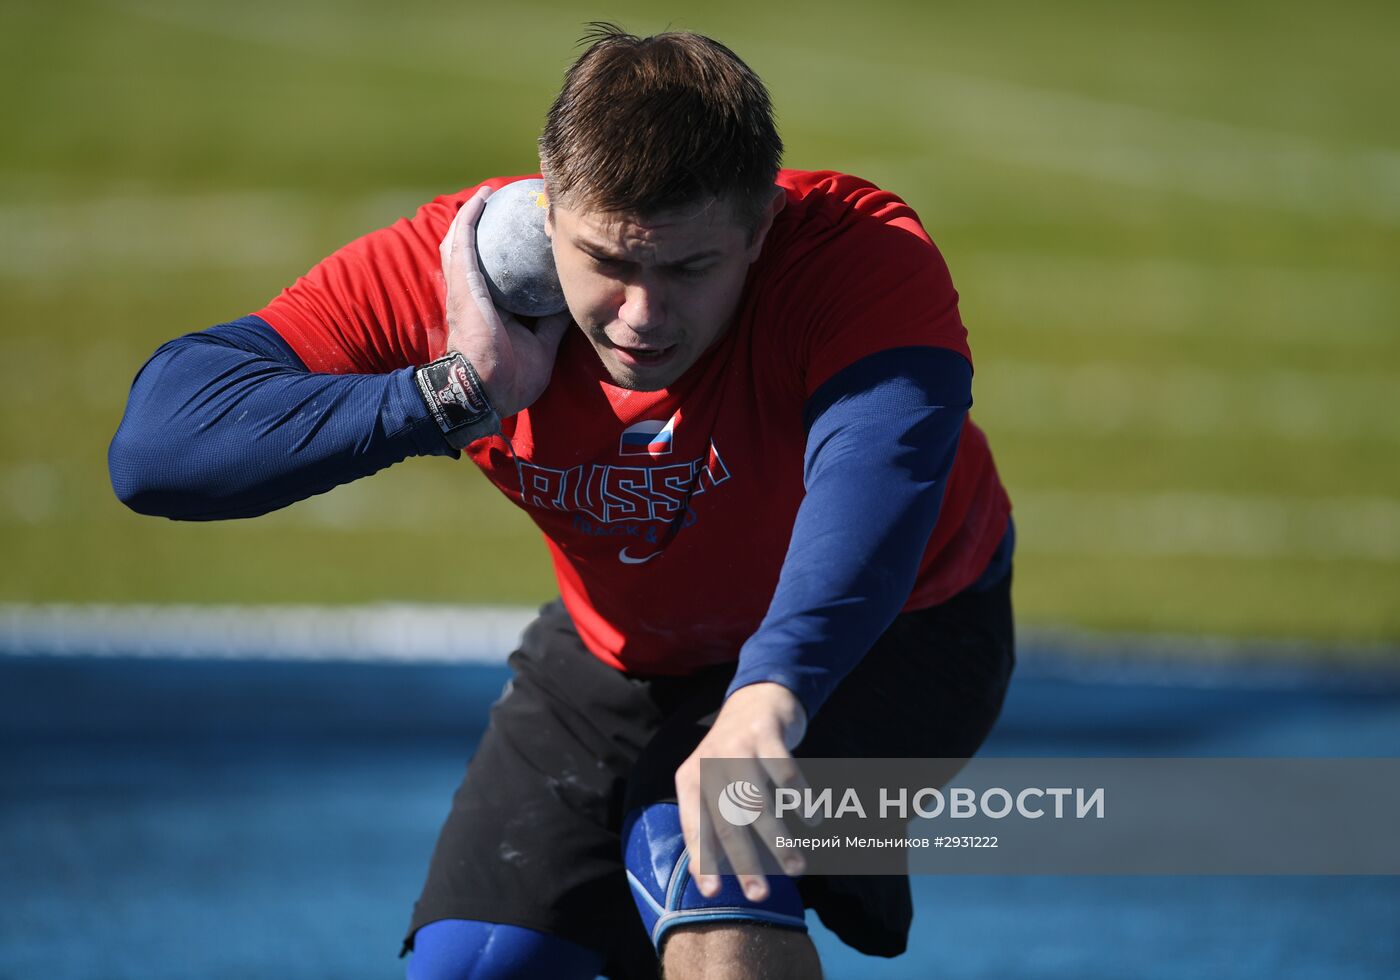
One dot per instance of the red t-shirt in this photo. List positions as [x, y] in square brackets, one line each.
[846, 271]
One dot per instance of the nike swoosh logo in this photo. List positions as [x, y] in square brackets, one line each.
[627, 559]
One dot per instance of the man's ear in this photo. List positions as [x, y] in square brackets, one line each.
[771, 210]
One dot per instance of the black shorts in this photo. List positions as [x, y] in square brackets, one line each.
[573, 745]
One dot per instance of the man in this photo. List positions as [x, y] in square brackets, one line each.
[774, 527]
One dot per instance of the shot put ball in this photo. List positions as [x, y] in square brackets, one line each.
[515, 253]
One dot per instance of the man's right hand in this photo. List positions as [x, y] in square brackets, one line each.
[513, 361]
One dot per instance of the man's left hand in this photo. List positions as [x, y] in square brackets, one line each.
[760, 722]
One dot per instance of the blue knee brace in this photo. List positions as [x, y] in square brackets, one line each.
[658, 869]
[465, 949]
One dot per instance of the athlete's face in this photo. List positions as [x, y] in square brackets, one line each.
[653, 292]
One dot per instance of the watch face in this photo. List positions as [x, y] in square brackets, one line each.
[463, 390]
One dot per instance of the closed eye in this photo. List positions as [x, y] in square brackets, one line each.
[604, 264]
[689, 271]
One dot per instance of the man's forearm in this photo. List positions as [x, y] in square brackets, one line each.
[229, 423]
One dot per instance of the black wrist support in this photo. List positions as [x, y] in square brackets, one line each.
[457, 399]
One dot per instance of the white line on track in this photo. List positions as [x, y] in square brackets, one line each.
[407, 633]
[486, 635]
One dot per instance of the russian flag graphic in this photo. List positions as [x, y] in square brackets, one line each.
[649, 438]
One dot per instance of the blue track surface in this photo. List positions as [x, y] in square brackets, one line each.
[210, 819]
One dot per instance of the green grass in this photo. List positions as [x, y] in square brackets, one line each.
[1175, 229]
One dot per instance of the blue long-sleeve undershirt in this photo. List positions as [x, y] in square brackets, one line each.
[228, 422]
[881, 437]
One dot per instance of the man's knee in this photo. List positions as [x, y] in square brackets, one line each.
[658, 869]
[724, 935]
[724, 950]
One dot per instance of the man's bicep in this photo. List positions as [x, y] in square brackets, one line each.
[904, 399]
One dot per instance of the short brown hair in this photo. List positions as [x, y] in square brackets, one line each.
[647, 124]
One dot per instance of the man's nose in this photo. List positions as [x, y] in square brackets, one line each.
[643, 305]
